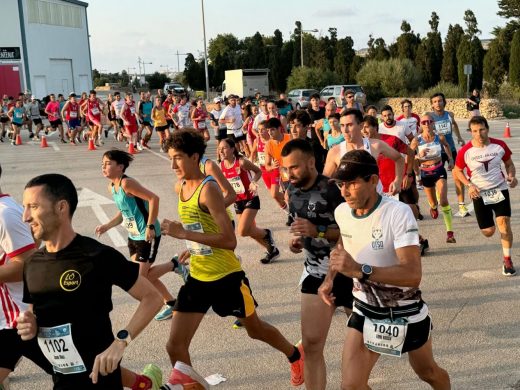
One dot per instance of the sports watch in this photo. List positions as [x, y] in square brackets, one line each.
[366, 270]
[124, 335]
[151, 227]
[321, 231]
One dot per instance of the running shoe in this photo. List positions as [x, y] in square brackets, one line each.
[144, 145]
[424, 245]
[100, 140]
[185, 377]
[154, 373]
[72, 142]
[106, 133]
[31, 135]
[420, 185]
[78, 139]
[13, 143]
[36, 138]
[238, 325]
[139, 147]
[508, 269]
[2, 139]
[434, 212]
[269, 240]
[297, 367]
[450, 238]
[165, 314]
[463, 210]
[270, 256]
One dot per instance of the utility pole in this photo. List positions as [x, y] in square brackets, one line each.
[178, 63]
[205, 51]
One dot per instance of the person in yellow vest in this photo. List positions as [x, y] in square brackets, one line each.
[216, 277]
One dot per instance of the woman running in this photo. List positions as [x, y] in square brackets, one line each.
[237, 171]
[17, 116]
[428, 146]
[160, 123]
[198, 116]
[138, 210]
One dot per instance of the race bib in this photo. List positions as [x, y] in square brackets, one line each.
[73, 114]
[309, 133]
[196, 248]
[58, 347]
[131, 226]
[492, 196]
[389, 195]
[132, 110]
[443, 127]
[385, 337]
[18, 115]
[238, 133]
[201, 125]
[238, 186]
[261, 158]
[95, 111]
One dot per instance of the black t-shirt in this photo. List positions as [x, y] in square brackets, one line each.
[74, 285]
[320, 154]
[316, 204]
[315, 116]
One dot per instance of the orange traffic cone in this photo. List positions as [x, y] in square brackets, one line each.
[507, 131]
[44, 142]
[91, 145]
[18, 139]
[131, 148]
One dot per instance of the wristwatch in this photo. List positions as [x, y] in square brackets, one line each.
[151, 227]
[124, 335]
[366, 270]
[321, 231]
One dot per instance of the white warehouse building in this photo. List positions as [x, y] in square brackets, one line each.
[44, 47]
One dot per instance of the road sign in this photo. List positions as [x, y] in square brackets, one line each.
[468, 69]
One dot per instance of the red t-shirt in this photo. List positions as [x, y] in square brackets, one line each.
[239, 180]
[387, 165]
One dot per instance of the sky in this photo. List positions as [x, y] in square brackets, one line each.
[156, 30]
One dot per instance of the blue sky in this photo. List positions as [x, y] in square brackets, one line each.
[155, 29]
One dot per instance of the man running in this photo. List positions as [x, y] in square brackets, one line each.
[91, 109]
[130, 118]
[144, 108]
[33, 112]
[69, 284]
[70, 112]
[181, 112]
[219, 129]
[232, 117]
[379, 249]
[312, 200]
[216, 277]
[116, 107]
[488, 188]
[445, 124]
[52, 110]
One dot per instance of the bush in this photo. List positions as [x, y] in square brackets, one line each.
[508, 94]
[388, 78]
[511, 111]
[448, 89]
[312, 78]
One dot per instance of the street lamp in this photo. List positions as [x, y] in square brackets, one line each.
[141, 62]
[178, 64]
[205, 51]
[301, 41]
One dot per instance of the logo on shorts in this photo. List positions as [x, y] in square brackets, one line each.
[70, 280]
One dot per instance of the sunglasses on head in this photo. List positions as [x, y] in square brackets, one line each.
[426, 122]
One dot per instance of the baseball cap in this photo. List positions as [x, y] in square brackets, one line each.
[72, 94]
[233, 97]
[217, 100]
[33, 97]
[354, 164]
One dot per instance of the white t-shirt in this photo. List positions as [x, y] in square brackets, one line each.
[183, 115]
[398, 130]
[262, 116]
[15, 239]
[373, 239]
[117, 106]
[232, 112]
[484, 165]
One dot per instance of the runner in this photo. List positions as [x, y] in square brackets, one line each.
[181, 113]
[138, 209]
[160, 123]
[116, 107]
[316, 113]
[408, 118]
[238, 171]
[378, 248]
[4, 119]
[145, 114]
[487, 186]
[428, 147]
[52, 110]
[349, 102]
[111, 117]
[323, 126]
[168, 105]
[130, 118]
[17, 117]
[258, 154]
[247, 128]
[272, 112]
[219, 129]
[216, 277]
[198, 116]
[312, 200]
[70, 113]
[33, 113]
[334, 136]
[445, 124]
[91, 109]
[232, 117]
[69, 285]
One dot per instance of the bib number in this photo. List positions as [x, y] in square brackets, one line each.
[132, 110]
[238, 186]
[196, 248]
[385, 337]
[492, 196]
[201, 125]
[443, 127]
[73, 114]
[58, 347]
[261, 158]
[18, 115]
[95, 111]
[238, 132]
[131, 226]
[389, 195]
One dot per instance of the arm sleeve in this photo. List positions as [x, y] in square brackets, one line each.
[404, 227]
[120, 271]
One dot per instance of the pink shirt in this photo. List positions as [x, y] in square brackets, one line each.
[54, 108]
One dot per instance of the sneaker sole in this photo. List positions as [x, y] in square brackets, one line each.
[270, 260]
[508, 275]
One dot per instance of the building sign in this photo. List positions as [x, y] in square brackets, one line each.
[10, 53]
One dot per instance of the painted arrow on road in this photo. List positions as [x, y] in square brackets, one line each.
[89, 198]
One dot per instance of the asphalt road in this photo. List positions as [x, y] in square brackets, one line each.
[475, 309]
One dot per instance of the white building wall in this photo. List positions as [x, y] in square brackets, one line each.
[10, 34]
[51, 47]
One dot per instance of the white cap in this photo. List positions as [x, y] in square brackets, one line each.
[217, 100]
[33, 97]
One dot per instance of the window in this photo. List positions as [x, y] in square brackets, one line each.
[55, 14]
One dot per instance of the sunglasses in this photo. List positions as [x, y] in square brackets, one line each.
[351, 185]
[350, 97]
[427, 122]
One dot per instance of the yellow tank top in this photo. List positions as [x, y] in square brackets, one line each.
[207, 264]
[159, 118]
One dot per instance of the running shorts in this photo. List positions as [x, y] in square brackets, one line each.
[429, 178]
[37, 121]
[144, 251]
[73, 123]
[271, 178]
[341, 288]
[484, 213]
[131, 129]
[55, 124]
[241, 205]
[13, 348]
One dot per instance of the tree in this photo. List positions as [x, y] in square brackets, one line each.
[156, 80]
[343, 59]
[305, 77]
[222, 44]
[470, 51]
[429, 54]
[194, 72]
[255, 51]
[471, 24]
[407, 42]
[514, 60]
[377, 49]
[125, 79]
[509, 9]
[449, 68]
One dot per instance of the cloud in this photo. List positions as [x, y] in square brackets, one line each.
[335, 12]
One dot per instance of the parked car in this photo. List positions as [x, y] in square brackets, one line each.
[300, 98]
[335, 91]
[176, 88]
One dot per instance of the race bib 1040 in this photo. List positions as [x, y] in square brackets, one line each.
[385, 337]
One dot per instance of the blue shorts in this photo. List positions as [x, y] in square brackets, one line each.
[73, 123]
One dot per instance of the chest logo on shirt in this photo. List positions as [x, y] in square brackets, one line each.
[311, 210]
[70, 280]
[486, 163]
[377, 234]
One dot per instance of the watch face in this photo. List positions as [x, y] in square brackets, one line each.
[122, 334]
[366, 269]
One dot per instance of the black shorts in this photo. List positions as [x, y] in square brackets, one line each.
[445, 158]
[13, 348]
[170, 123]
[146, 123]
[417, 335]
[341, 288]
[143, 250]
[110, 116]
[429, 178]
[120, 122]
[162, 128]
[37, 121]
[484, 213]
[4, 119]
[236, 139]
[411, 195]
[55, 124]
[222, 134]
[241, 205]
[229, 296]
